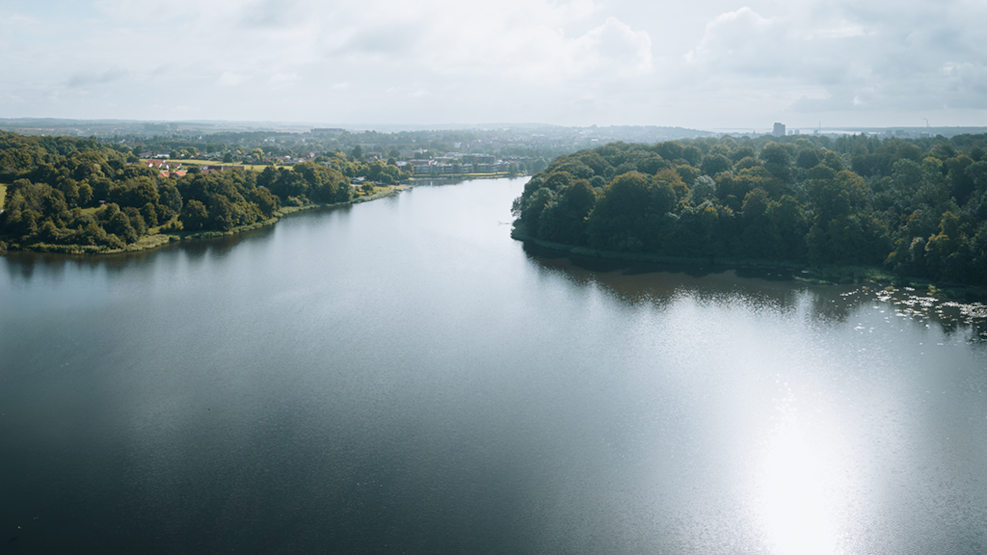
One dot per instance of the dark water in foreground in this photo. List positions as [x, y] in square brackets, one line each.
[402, 377]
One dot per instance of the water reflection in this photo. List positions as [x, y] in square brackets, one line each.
[657, 284]
[797, 497]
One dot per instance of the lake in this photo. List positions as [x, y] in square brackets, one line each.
[401, 376]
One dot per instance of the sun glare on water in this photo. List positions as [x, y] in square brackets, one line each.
[797, 501]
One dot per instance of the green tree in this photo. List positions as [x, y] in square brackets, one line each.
[760, 237]
[977, 173]
[558, 180]
[777, 161]
[142, 191]
[221, 213]
[564, 221]
[149, 214]
[169, 196]
[529, 209]
[85, 193]
[265, 201]
[791, 226]
[631, 214]
[714, 164]
[119, 225]
[194, 216]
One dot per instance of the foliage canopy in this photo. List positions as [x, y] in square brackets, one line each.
[917, 207]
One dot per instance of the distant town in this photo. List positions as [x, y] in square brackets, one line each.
[781, 130]
[502, 149]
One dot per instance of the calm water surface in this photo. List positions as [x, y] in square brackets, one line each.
[402, 377]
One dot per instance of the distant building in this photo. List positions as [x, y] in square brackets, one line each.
[161, 164]
[779, 130]
[478, 158]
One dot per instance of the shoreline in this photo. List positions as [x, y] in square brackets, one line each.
[765, 269]
[150, 242]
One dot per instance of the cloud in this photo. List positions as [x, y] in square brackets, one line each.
[560, 61]
[280, 78]
[551, 53]
[230, 79]
[966, 84]
[614, 45]
[268, 14]
[734, 37]
[410, 91]
[873, 58]
[508, 40]
[83, 79]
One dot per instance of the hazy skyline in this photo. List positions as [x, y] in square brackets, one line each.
[716, 64]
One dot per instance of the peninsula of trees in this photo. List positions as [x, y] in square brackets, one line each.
[916, 207]
[81, 195]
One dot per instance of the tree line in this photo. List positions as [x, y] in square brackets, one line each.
[918, 208]
[66, 191]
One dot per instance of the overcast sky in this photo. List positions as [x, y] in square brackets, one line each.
[700, 64]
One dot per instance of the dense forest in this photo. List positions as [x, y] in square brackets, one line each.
[916, 207]
[85, 194]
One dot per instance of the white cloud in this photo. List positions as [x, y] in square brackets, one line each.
[230, 79]
[845, 30]
[582, 61]
[733, 36]
[615, 46]
[83, 79]
[864, 58]
[279, 78]
[966, 83]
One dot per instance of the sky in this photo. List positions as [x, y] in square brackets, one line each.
[703, 64]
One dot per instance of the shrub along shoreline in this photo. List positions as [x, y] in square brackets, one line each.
[824, 274]
[156, 240]
[85, 197]
[797, 271]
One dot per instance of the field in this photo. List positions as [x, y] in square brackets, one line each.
[251, 167]
[3, 193]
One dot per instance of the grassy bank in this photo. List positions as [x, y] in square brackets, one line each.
[146, 242]
[3, 194]
[156, 238]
